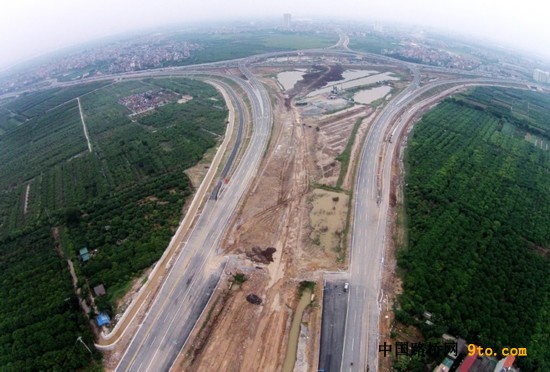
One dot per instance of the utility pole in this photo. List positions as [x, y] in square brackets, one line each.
[82, 342]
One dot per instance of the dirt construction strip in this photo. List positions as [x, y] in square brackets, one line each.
[160, 271]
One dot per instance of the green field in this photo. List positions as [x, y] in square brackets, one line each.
[122, 201]
[527, 111]
[224, 46]
[478, 207]
[372, 43]
[220, 46]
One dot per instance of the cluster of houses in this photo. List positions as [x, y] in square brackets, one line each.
[468, 358]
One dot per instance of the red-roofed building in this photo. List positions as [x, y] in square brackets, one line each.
[505, 364]
[509, 361]
[468, 362]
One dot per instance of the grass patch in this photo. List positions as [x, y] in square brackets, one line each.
[305, 285]
[118, 291]
[328, 187]
[373, 43]
[239, 278]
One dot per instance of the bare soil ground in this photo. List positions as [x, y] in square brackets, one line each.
[328, 222]
[197, 173]
[333, 135]
[282, 210]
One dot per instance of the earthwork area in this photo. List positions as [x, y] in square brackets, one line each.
[293, 225]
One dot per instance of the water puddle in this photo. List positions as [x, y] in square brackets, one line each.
[289, 78]
[370, 95]
[293, 339]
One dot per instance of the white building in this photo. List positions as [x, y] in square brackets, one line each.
[541, 76]
[286, 20]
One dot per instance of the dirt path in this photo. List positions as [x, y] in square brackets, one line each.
[27, 192]
[84, 125]
[82, 302]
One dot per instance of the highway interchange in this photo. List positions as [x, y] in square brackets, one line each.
[188, 286]
[149, 351]
[360, 341]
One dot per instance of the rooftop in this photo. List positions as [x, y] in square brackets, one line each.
[84, 254]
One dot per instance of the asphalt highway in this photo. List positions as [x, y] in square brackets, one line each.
[187, 288]
[335, 301]
[236, 146]
[370, 213]
[367, 242]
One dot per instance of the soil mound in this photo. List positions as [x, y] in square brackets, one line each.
[253, 299]
[258, 254]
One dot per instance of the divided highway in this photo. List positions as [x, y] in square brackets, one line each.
[361, 332]
[189, 285]
[371, 194]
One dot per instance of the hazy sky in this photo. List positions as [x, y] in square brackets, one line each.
[33, 27]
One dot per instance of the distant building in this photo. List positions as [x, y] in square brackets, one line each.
[286, 20]
[84, 254]
[541, 76]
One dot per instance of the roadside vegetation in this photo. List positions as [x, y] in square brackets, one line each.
[123, 202]
[305, 285]
[479, 234]
[239, 278]
[344, 157]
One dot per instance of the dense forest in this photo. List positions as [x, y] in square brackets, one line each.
[40, 319]
[478, 207]
[122, 201]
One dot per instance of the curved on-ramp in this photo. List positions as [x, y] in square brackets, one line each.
[189, 284]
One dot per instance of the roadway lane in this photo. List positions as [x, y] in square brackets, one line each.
[335, 302]
[182, 297]
[361, 333]
[370, 212]
[236, 146]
